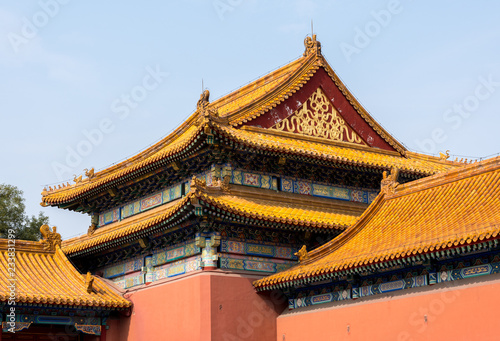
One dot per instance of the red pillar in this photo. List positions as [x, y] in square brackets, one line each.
[103, 334]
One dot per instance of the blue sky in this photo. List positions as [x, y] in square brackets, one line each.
[428, 71]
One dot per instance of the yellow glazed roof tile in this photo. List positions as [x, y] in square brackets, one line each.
[450, 209]
[126, 227]
[47, 277]
[298, 213]
[348, 154]
[259, 89]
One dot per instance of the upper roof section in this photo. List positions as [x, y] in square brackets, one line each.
[446, 211]
[302, 110]
[43, 275]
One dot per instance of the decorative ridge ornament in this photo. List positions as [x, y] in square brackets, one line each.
[197, 183]
[224, 184]
[312, 46]
[89, 173]
[89, 281]
[203, 102]
[50, 238]
[389, 182]
[302, 254]
[91, 229]
[444, 156]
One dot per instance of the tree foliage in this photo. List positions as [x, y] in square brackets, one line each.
[13, 216]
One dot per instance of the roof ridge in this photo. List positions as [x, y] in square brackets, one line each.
[445, 177]
[248, 85]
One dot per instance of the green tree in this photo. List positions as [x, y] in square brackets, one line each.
[13, 217]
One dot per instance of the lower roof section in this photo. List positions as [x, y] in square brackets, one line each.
[237, 203]
[40, 276]
[446, 211]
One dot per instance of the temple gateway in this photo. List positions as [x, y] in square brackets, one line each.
[282, 211]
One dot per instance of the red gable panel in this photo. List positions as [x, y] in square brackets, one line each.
[322, 80]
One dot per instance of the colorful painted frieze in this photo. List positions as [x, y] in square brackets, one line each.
[131, 209]
[319, 299]
[130, 280]
[173, 253]
[124, 268]
[253, 264]
[177, 268]
[468, 272]
[151, 201]
[109, 217]
[243, 248]
[381, 288]
[144, 204]
[239, 177]
[28, 319]
[327, 191]
[430, 278]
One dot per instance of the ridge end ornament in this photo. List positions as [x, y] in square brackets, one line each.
[389, 182]
[89, 281]
[302, 254]
[203, 102]
[312, 46]
[443, 157]
[50, 238]
[197, 183]
[89, 173]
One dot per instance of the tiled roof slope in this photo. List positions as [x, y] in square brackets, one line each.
[48, 277]
[338, 152]
[448, 210]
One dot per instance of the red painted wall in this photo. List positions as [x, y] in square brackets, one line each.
[210, 305]
[173, 310]
[464, 310]
[238, 313]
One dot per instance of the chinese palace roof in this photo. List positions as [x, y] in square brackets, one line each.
[441, 214]
[48, 277]
[236, 203]
[262, 116]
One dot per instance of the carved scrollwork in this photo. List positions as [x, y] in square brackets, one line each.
[318, 118]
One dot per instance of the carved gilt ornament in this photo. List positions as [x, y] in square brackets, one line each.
[318, 117]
